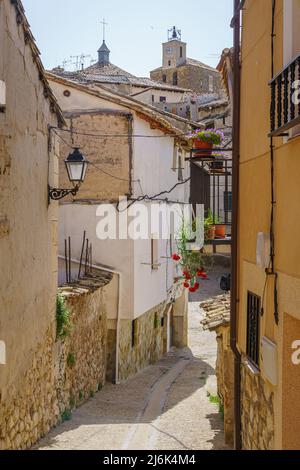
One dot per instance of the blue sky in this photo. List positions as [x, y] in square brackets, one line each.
[136, 29]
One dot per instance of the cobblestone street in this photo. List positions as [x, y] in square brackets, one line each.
[166, 407]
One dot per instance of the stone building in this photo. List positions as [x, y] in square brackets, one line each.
[265, 318]
[112, 77]
[217, 318]
[179, 70]
[152, 312]
[28, 234]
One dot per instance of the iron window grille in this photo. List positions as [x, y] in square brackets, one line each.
[253, 327]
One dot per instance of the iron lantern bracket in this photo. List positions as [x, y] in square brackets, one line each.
[56, 194]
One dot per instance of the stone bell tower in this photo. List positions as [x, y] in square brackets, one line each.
[174, 51]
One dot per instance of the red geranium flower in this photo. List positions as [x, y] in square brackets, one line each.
[176, 257]
[186, 285]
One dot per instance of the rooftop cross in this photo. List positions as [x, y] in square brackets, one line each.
[104, 24]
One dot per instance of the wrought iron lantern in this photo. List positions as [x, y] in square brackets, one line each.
[76, 165]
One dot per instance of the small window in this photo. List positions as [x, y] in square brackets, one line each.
[169, 63]
[2, 96]
[162, 99]
[253, 327]
[134, 333]
[164, 78]
[152, 98]
[181, 52]
[175, 79]
[180, 166]
[154, 252]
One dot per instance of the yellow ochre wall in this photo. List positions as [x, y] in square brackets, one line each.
[255, 210]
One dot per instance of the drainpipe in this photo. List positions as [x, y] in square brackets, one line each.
[112, 271]
[236, 23]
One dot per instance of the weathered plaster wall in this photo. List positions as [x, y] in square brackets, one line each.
[28, 238]
[112, 155]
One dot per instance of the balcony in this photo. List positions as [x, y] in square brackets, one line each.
[285, 99]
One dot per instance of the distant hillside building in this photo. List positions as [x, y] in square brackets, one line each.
[179, 70]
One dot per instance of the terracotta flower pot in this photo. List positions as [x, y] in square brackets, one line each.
[220, 231]
[206, 146]
[210, 233]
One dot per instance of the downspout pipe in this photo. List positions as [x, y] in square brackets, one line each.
[235, 211]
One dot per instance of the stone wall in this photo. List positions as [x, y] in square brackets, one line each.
[225, 380]
[60, 374]
[190, 77]
[148, 342]
[257, 411]
[80, 360]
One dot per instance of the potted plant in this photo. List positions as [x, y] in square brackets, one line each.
[220, 228]
[191, 262]
[209, 226]
[205, 140]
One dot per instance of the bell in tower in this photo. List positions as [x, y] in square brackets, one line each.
[174, 51]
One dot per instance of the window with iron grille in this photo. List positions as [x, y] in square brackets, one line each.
[253, 327]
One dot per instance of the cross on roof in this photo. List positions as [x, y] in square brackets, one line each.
[104, 24]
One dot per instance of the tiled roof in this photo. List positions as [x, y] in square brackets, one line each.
[217, 312]
[110, 73]
[194, 62]
[173, 124]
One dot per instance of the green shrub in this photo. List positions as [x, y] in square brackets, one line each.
[66, 416]
[63, 318]
[71, 360]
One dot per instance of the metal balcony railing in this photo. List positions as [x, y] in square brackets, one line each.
[285, 99]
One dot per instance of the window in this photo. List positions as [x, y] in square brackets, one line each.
[291, 39]
[181, 52]
[175, 79]
[164, 78]
[133, 333]
[180, 166]
[211, 84]
[169, 63]
[152, 98]
[154, 252]
[253, 327]
[162, 99]
[291, 30]
[2, 96]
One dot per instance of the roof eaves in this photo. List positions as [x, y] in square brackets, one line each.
[29, 39]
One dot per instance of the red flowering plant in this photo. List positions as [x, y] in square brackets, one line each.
[191, 262]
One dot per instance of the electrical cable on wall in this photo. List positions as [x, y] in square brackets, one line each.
[270, 271]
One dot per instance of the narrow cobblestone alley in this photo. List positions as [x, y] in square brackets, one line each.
[166, 407]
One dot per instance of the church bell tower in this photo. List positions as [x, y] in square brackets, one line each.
[174, 51]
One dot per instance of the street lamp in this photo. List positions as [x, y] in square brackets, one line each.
[76, 165]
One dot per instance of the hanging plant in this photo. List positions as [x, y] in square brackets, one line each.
[191, 262]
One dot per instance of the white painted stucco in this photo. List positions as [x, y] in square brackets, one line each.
[153, 166]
